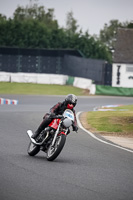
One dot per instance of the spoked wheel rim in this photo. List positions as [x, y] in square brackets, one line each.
[52, 149]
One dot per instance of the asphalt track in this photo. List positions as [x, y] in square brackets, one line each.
[85, 169]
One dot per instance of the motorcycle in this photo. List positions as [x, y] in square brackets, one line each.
[52, 139]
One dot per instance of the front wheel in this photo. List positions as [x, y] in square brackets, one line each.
[54, 151]
[33, 149]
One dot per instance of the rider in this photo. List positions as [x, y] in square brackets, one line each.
[58, 109]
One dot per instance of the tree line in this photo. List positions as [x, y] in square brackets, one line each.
[34, 26]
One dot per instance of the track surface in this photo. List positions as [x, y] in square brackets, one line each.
[85, 169]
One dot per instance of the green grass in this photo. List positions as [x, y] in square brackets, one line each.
[39, 89]
[118, 122]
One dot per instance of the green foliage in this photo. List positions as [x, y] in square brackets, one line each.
[34, 26]
[71, 24]
[130, 25]
[37, 13]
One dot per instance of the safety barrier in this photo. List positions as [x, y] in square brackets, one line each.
[113, 91]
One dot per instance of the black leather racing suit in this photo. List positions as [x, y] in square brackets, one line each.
[57, 109]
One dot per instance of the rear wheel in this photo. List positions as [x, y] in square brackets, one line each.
[54, 151]
[33, 149]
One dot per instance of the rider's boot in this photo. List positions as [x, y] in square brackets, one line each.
[37, 132]
[42, 126]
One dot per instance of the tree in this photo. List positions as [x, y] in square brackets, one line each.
[35, 12]
[35, 27]
[130, 25]
[71, 24]
[2, 17]
[108, 33]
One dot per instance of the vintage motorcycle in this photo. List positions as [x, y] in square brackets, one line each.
[52, 139]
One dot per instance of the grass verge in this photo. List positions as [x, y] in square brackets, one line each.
[118, 122]
[40, 89]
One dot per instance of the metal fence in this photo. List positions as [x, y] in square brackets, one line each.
[86, 68]
[68, 62]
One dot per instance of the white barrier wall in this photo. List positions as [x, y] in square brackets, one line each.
[33, 78]
[82, 83]
[52, 79]
[122, 75]
[5, 77]
[24, 77]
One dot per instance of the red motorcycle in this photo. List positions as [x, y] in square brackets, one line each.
[52, 139]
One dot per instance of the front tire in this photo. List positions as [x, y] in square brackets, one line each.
[33, 149]
[53, 152]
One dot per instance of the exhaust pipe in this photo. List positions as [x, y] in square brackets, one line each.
[30, 133]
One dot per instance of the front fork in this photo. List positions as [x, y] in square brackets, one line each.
[56, 133]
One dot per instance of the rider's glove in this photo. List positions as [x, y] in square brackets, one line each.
[75, 128]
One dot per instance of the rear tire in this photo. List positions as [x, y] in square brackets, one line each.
[33, 149]
[53, 152]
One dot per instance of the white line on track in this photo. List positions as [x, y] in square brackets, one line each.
[100, 140]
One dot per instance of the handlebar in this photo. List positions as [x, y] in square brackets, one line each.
[56, 116]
